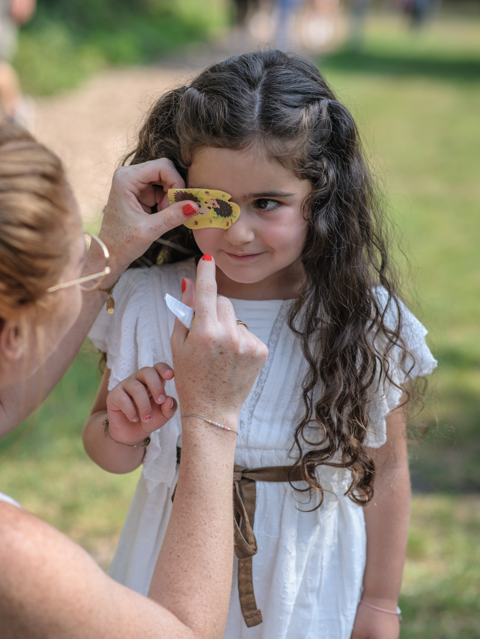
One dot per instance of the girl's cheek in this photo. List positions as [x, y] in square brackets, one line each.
[208, 239]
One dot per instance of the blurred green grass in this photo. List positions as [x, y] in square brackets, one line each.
[68, 41]
[416, 98]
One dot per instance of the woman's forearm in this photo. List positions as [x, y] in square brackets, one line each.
[200, 532]
[67, 595]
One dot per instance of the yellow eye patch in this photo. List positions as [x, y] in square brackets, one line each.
[215, 208]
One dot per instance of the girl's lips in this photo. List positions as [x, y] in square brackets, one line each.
[243, 257]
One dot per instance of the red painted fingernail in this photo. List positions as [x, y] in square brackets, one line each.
[189, 210]
[207, 257]
[148, 418]
[184, 286]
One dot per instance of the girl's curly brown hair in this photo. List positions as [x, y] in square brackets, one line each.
[283, 103]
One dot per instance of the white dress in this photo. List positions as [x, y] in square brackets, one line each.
[309, 567]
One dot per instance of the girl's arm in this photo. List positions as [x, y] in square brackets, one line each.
[134, 408]
[387, 519]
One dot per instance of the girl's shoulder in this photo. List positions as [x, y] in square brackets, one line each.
[397, 315]
[139, 302]
[165, 275]
[408, 352]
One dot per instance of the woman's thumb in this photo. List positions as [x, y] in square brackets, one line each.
[172, 216]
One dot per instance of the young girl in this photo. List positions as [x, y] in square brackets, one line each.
[306, 267]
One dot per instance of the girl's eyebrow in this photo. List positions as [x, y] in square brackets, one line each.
[254, 196]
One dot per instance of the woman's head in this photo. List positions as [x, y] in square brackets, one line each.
[40, 245]
[279, 108]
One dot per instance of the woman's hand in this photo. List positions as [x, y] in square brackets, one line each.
[373, 624]
[217, 362]
[128, 226]
[139, 405]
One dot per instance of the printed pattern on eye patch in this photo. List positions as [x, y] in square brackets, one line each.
[215, 208]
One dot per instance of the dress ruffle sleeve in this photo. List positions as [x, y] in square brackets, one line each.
[138, 335]
[419, 363]
[125, 336]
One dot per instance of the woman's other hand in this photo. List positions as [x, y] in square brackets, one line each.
[217, 362]
[129, 227]
[139, 405]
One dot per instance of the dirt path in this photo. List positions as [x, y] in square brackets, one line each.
[93, 126]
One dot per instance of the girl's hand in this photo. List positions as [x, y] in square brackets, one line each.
[373, 624]
[128, 226]
[217, 362]
[139, 405]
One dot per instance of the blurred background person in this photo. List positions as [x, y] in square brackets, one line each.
[419, 11]
[15, 106]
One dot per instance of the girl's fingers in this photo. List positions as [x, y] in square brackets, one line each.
[154, 380]
[140, 397]
[164, 370]
[168, 408]
[119, 400]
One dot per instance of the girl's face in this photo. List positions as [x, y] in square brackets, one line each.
[258, 256]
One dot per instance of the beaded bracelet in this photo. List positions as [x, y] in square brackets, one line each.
[210, 421]
[106, 433]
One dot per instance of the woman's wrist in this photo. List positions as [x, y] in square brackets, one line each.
[211, 419]
[211, 422]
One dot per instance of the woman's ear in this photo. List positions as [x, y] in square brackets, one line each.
[13, 340]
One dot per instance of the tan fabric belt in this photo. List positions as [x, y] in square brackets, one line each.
[245, 494]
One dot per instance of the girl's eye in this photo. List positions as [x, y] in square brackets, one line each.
[266, 205]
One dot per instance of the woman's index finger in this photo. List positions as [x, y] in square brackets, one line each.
[206, 291]
[156, 171]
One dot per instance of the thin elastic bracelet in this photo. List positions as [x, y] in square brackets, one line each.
[210, 421]
[390, 612]
[106, 433]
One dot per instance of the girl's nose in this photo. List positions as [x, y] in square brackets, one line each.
[242, 231]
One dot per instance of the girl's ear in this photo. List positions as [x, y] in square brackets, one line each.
[13, 340]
